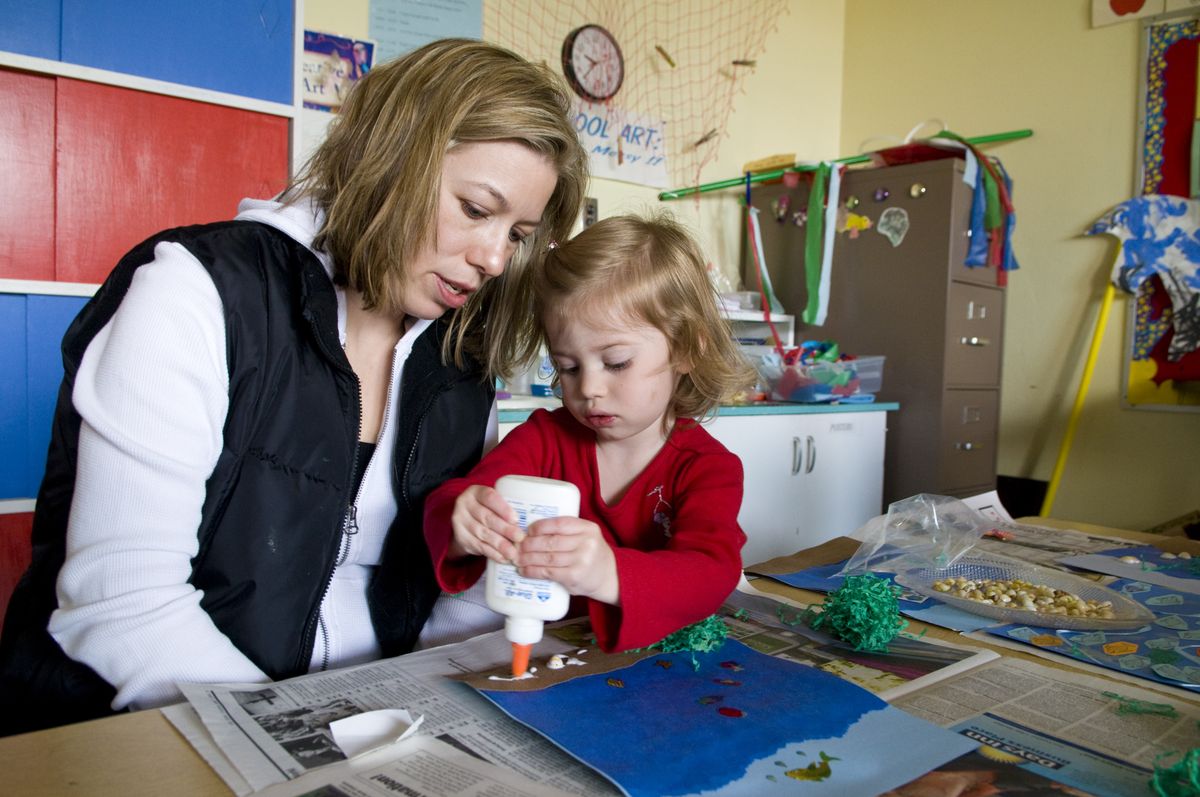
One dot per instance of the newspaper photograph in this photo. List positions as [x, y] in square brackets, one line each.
[418, 767]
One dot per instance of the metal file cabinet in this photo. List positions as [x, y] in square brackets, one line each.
[939, 323]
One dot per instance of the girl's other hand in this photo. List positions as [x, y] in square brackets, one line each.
[484, 524]
[573, 552]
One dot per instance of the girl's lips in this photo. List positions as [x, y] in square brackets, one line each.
[452, 295]
[602, 420]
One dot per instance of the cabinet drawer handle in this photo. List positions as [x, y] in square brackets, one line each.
[811, 455]
[795, 455]
[974, 341]
[966, 446]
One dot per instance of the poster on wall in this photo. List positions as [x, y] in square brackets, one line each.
[1110, 12]
[400, 26]
[1161, 372]
[622, 145]
[331, 65]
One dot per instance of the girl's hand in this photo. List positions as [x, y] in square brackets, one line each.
[574, 553]
[484, 525]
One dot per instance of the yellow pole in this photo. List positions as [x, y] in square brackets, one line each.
[1080, 395]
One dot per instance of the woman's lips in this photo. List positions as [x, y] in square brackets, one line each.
[452, 294]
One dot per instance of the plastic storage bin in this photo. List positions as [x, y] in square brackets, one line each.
[870, 373]
[821, 381]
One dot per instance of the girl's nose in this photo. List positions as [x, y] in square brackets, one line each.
[591, 383]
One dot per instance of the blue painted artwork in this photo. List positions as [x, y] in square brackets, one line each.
[824, 578]
[1153, 566]
[1166, 651]
[741, 723]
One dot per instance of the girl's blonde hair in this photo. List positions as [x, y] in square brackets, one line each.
[650, 269]
[377, 176]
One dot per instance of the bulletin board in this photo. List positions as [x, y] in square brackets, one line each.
[1167, 114]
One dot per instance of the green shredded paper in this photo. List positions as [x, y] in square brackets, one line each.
[863, 612]
[703, 637]
[1182, 779]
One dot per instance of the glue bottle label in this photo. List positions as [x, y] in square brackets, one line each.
[508, 592]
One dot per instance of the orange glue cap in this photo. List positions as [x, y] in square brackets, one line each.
[520, 660]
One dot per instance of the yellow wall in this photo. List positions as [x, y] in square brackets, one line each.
[790, 103]
[836, 73]
[995, 65]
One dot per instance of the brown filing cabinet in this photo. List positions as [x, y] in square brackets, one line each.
[939, 323]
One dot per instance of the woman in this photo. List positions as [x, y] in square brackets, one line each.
[253, 411]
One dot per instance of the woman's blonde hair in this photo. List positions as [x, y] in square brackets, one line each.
[650, 269]
[377, 176]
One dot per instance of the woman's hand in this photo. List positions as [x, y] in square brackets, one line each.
[484, 524]
[574, 553]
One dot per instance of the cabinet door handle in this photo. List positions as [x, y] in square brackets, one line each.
[974, 341]
[795, 455]
[811, 457]
[966, 446]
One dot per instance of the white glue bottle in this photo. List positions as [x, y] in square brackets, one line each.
[529, 602]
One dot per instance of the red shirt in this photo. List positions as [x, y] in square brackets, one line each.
[674, 532]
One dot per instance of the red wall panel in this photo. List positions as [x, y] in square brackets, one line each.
[132, 163]
[26, 176]
[15, 553]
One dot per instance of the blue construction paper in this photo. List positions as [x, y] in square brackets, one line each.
[824, 578]
[1154, 568]
[743, 723]
[1167, 651]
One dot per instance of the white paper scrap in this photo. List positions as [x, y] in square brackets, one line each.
[373, 729]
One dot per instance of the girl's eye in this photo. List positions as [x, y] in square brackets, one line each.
[621, 366]
[567, 369]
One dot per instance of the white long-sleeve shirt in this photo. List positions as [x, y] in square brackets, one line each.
[152, 392]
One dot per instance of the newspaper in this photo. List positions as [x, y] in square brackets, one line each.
[272, 733]
[1078, 729]
[257, 736]
[418, 767]
[1038, 545]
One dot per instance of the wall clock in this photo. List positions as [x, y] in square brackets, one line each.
[592, 63]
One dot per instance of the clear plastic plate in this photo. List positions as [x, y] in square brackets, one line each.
[1127, 613]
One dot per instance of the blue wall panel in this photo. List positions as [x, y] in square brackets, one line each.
[14, 397]
[31, 27]
[48, 318]
[240, 47]
[31, 330]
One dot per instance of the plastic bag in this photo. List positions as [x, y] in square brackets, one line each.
[924, 531]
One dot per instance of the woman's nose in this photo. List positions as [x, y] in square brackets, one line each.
[491, 252]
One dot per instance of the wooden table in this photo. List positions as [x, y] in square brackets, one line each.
[143, 754]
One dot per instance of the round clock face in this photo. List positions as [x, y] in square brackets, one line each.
[592, 63]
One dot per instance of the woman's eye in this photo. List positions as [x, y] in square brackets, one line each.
[472, 211]
[516, 236]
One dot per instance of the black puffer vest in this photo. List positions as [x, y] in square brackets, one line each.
[271, 522]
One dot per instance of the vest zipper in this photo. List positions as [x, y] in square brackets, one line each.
[350, 520]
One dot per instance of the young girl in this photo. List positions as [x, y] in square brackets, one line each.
[631, 322]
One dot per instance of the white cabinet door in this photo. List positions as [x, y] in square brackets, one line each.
[844, 474]
[809, 478]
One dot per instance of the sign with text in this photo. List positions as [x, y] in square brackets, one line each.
[622, 145]
[331, 65]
